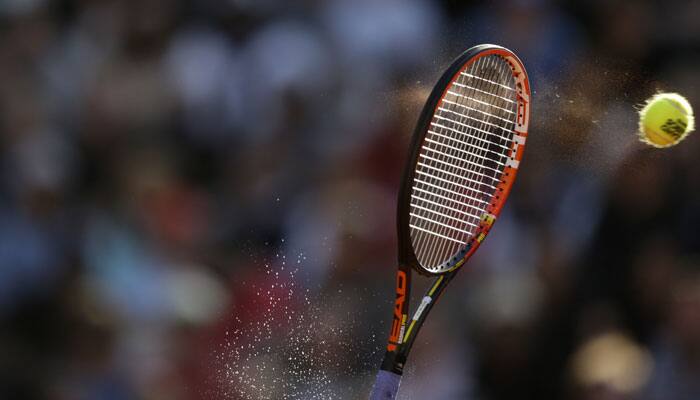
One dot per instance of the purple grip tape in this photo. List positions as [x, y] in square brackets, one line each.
[386, 386]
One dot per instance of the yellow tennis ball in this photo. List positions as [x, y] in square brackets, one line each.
[665, 120]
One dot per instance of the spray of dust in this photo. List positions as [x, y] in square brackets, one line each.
[300, 345]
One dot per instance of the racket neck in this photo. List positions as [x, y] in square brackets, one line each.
[397, 353]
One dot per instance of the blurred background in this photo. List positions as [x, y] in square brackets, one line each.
[197, 201]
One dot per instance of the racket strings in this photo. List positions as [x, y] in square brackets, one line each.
[471, 156]
[437, 248]
[461, 160]
[432, 146]
[461, 106]
[443, 230]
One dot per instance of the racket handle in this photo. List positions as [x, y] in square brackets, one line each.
[386, 386]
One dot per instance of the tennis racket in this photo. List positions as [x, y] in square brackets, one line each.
[464, 156]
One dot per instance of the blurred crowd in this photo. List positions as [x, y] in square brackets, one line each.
[160, 158]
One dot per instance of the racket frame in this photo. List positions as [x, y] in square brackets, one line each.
[404, 331]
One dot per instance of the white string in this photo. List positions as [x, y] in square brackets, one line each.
[456, 176]
[461, 142]
[442, 249]
[475, 158]
[446, 207]
[474, 109]
[468, 135]
[424, 242]
[451, 191]
[465, 152]
[442, 215]
[433, 233]
[438, 223]
[438, 253]
[484, 92]
[476, 119]
[432, 244]
[452, 165]
[488, 80]
[440, 196]
[483, 103]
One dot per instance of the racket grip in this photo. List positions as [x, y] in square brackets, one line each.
[386, 386]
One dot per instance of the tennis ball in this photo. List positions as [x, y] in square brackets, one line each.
[665, 120]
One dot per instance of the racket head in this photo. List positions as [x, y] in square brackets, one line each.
[465, 154]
